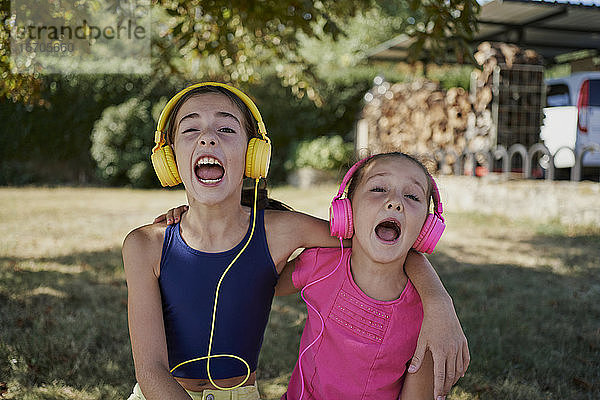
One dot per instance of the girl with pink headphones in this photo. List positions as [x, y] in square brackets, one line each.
[364, 314]
[193, 331]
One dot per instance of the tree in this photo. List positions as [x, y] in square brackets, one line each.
[230, 39]
[13, 86]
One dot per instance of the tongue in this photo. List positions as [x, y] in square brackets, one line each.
[210, 171]
[386, 233]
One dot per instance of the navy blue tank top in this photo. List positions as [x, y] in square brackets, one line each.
[188, 281]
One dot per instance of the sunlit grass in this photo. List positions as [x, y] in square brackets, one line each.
[527, 294]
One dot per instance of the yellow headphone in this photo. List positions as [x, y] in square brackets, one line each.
[258, 154]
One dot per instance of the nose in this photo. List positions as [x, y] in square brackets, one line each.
[207, 139]
[205, 142]
[395, 204]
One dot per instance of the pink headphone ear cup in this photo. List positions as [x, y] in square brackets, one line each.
[340, 218]
[349, 225]
[430, 234]
[334, 218]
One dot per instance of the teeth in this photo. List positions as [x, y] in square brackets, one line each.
[209, 180]
[208, 160]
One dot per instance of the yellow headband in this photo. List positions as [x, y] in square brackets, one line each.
[159, 134]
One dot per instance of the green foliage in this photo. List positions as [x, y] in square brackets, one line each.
[14, 87]
[231, 41]
[49, 142]
[441, 26]
[237, 39]
[22, 80]
[451, 76]
[303, 63]
[121, 139]
[557, 71]
[290, 119]
[363, 32]
[326, 153]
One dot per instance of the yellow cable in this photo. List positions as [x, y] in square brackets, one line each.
[212, 327]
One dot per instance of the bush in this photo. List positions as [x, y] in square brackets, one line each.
[327, 153]
[49, 142]
[120, 143]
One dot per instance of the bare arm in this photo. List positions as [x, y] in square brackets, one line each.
[419, 386]
[285, 285]
[441, 332]
[283, 240]
[310, 231]
[288, 231]
[141, 256]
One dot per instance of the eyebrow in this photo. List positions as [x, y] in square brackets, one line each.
[219, 113]
[378, 174]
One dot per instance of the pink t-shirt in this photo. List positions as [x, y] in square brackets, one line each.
[366, 345]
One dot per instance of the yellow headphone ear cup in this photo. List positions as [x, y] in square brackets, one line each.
[165, 166]
[172, 165]
[258, 158]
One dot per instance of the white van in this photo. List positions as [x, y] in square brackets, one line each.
[572, 118]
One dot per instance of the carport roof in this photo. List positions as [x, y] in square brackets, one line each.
[551, 28]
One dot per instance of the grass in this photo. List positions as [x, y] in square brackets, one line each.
[527, 295]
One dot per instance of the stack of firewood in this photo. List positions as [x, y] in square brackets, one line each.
[422, 118]
[490, 54]
[417, 117]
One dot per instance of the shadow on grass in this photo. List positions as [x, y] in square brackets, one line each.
[533, 333]
[579, 252]
[64, 322]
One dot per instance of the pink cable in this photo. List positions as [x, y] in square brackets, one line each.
[320, 317]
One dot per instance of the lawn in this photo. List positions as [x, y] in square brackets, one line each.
[527, 295]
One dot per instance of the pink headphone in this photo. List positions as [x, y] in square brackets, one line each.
[340, 216]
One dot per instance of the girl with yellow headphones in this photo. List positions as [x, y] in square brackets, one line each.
[200, 290]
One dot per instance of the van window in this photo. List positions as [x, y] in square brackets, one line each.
[595, 92]
[557, 95]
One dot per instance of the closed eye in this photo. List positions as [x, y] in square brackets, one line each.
[189, 130]
[225, 130]
[412, 197]
[378, 189]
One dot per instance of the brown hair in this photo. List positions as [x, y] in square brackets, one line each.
[358, 174]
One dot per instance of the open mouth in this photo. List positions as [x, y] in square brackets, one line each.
[209, 170]
[388, 231]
